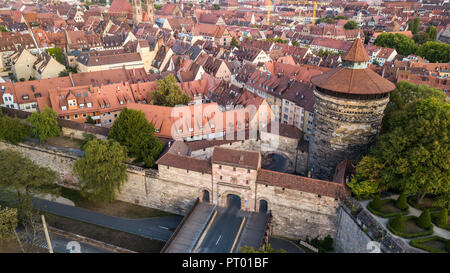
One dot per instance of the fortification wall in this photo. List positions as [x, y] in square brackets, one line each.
[296, 214]
[299, 214]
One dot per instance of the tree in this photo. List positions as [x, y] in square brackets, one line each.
[44, 125]
[414, 25]
[424, 220]
[8, 222]
[64, 73]
[101, 170]
[366, 180]
[3, 29]
[13, 130]
[398, 223]
[405, 94]
[432, 33]
[401, 202]
[421, 37]
[132, 130]
[351, 25]
[24, 179]
[412, 154]
[216, 6]
[234, 42]
[267, 249]
[168, 93]
[401, 43]
[57, 54]
[435, 52]
[443, 217]
[90, 120]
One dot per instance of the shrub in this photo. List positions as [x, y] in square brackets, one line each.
[376, 203]
[401, 202]
[443, 217]
[424, 220]
[398, 223]
[327, 243]
[447, 246]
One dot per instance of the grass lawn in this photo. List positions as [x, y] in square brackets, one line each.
[115, 208]
[113, 237]
[12, 246]
[388, 209]
[433, 244]
[65, 142]
[411, 227]
[411, 230]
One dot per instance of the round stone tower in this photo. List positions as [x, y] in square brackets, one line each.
[348, 109]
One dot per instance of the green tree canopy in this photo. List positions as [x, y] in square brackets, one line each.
[421, 37]
[8, 222]
[168, 93]
[435, 52]
[401, 43]
[25, 179]
[432, 32]
[132, 130]
[414, 25]
[101, 170]
[234, 42]
[412, 153]
[44, 125]
[13, 130]
[351, 25]
[57, 54]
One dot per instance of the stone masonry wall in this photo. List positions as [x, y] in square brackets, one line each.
[299, 214]
[343, 128]
[295, 214]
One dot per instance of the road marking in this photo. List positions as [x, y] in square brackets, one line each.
[218, 239]
[164, 227]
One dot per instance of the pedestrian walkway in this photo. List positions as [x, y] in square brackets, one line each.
[158, 228]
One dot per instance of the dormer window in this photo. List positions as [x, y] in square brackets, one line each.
[89, 105]
[64, 108]
[25, 97]
[81, 105]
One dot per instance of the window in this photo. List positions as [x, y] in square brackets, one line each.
[248, 171]
[220, 177]
[84, 115]
[76, 116]
[234, 169]
[67, 117]
[220, 167]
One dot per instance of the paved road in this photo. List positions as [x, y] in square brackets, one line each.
[158, 228]
[60, 245]
[220, 237]
[279, 243]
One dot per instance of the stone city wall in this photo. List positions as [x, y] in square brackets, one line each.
[296, 214]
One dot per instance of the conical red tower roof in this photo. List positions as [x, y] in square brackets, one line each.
[357, 53]
[354, 78]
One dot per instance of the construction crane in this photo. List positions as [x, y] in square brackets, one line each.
[314, 3]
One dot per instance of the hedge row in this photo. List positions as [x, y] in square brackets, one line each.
[408, 235]
[417, 243]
